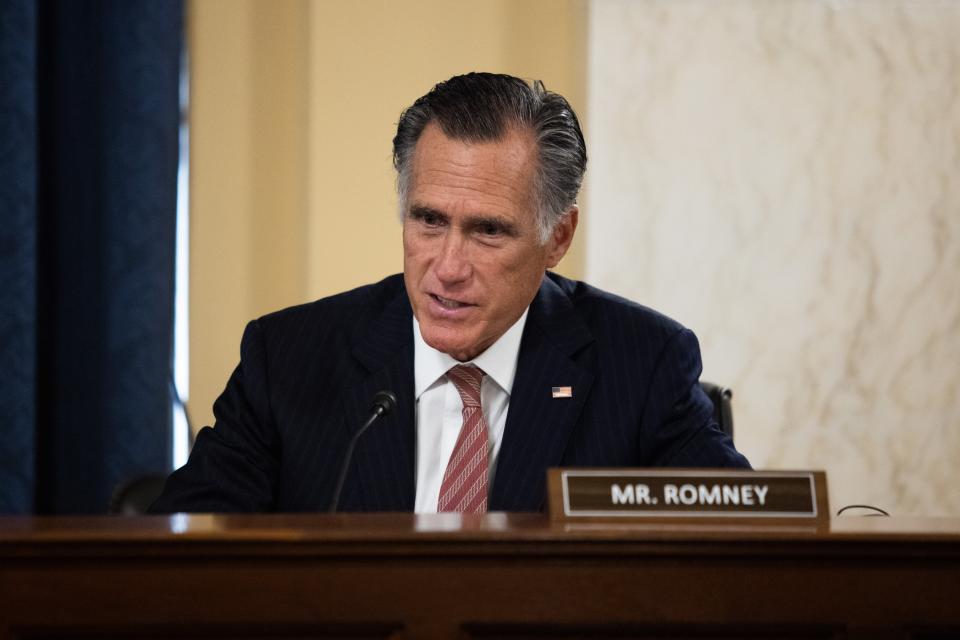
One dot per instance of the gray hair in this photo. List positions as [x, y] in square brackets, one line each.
[483, 107]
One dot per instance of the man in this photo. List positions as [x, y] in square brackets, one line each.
[500, 368]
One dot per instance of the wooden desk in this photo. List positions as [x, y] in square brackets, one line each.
[502, 576]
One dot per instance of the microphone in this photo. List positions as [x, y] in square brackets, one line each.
[383, 403]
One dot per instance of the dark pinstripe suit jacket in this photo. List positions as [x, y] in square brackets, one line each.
[307, 375]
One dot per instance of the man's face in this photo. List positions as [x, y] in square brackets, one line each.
[472, 254]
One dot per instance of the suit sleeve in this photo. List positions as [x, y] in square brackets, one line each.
[233, 466]
[678, 416]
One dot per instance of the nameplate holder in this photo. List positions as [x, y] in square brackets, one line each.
[688, 495]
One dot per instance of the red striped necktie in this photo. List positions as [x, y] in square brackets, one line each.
[464, 487]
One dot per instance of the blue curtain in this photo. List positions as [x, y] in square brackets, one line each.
[89, 117]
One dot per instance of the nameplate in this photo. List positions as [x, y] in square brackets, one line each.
[687, 494]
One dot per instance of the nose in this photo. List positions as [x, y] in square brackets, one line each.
[452, 265]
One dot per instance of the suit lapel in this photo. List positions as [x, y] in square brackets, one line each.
[381, 476]
[539, 425]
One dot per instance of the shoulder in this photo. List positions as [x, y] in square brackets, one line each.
[343, 313]
[612, 315]
[365, 299]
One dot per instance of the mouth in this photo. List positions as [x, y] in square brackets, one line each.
[449, 303]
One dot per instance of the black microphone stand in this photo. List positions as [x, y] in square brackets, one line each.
[383, 403]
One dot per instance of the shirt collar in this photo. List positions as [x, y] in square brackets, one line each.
[499, 361]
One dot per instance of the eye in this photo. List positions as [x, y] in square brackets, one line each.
[490, 229]
[427, 217]
[430, 219]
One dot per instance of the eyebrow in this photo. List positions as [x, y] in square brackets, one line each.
[471, 221]
[419, 211]
[507, 227]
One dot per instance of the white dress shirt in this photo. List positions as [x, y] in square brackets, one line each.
[439, 407]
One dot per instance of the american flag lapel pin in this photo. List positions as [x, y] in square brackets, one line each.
[562, 392]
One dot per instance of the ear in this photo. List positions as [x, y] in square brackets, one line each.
[562, 236]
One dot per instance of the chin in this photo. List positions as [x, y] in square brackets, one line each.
[455, 348]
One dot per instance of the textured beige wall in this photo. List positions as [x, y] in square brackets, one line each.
[293, 108]
[782, 177]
